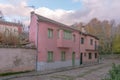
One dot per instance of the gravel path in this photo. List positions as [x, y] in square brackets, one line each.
[96, 72]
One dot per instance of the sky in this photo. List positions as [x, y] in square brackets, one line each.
[64, 11]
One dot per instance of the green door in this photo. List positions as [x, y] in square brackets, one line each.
[73, 58]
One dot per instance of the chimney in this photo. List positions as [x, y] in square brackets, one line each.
[83, 29]
[32, 12]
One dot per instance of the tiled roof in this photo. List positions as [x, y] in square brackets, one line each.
[9, 23]
[93, 36]
[41, 18]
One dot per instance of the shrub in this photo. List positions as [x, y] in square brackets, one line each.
[114, 73]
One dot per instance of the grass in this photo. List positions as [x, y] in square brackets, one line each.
[13, 73]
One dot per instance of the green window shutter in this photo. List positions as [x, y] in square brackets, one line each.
[50, 56]
[67, 35]
[63, 56]
[50, 33]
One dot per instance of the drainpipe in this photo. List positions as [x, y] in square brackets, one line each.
[79, 44]
[37, 46]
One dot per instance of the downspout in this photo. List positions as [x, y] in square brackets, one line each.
[37, 46]
[79, 45]
[99, 56]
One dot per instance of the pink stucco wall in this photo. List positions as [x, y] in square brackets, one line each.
[51, 44]
[33, 29]
[56, 44]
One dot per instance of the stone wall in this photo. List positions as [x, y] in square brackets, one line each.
[17, 59]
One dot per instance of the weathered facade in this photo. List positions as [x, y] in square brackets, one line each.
[17, 59]
[59, 45]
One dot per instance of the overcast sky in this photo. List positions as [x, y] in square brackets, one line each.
[64, 11]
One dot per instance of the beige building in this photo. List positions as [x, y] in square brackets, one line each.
[8, 29]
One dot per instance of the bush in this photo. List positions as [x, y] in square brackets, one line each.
[114, 73]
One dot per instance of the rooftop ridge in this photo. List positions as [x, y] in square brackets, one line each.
[10, 23]
[42, 18]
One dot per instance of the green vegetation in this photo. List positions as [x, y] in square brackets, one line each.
[114, 73]
[108, 33]
[116, 44]
[13, 73]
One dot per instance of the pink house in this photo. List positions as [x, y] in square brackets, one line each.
[60, 46]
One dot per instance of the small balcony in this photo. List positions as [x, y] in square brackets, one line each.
[92, 48]
[62, 43]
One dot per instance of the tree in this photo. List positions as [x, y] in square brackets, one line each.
[105, 30]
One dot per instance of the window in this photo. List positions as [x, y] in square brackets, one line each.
[7, 32]
[95, 45]
[50, 56]
[74, 37]
[82, 40]
[50, 33]
[63, 56]
[90, 56]
[95, 55]
[58, 34]
[67, 35]
[84, 54]
[91, 41]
